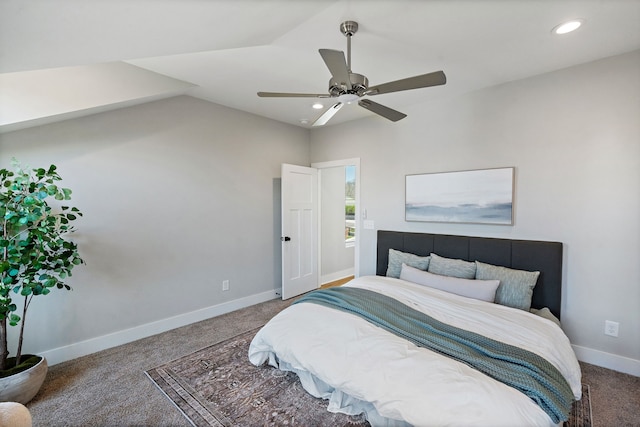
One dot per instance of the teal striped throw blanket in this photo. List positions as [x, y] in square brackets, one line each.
[525, 371]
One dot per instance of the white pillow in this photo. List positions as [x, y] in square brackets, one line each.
[484, 290]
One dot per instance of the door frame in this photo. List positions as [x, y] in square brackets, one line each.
[358, 217]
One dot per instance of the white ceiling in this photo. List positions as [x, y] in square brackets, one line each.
[64, 58]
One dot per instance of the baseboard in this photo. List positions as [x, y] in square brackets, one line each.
[608, 360]
[328, 278]
[83, 348]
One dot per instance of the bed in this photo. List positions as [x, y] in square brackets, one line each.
[423, 343]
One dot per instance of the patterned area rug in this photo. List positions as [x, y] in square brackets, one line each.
[217, 386]
[581, 411]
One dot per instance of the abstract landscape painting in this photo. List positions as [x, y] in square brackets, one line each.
[477, 196]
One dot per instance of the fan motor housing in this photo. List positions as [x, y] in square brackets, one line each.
[359, 85]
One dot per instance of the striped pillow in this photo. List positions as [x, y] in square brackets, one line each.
[452, 267]
[516, 286]
[397, 258]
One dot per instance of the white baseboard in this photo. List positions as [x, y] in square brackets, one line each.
[608, 360]
[83, 348]
[327, 278]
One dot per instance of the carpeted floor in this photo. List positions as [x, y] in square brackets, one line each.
[110, 388]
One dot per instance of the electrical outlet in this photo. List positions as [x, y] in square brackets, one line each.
[225, 285]
[611, 328]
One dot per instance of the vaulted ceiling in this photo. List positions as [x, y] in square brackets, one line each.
[66, 58]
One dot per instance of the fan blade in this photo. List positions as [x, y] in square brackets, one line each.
[424, 80]
[386, 112]
[292, 95]
[324, 118]
[337, 65]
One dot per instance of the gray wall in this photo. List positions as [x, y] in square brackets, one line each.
[177, 195]
[573, 137]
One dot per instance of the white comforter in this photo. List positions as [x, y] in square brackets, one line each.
[360, 367]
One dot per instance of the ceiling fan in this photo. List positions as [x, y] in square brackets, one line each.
[347, 86]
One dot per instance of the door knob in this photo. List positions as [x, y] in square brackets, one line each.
[285, 238]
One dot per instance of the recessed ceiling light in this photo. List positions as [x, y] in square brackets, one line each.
[304, 121]
[567, 27]
[317, 106]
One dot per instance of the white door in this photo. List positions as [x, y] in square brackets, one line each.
[299, 230]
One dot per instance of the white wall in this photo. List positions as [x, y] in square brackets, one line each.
[177, 195]
[337, 260]
[574, 138]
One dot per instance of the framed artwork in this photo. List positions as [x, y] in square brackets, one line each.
[477, 196]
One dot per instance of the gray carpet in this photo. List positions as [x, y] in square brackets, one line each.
[110, 388]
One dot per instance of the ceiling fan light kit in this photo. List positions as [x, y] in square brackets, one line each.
[324, 118]
[348, 87]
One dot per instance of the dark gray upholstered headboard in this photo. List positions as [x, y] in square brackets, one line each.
[530, 255]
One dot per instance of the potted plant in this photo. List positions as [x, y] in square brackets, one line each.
[35, 258]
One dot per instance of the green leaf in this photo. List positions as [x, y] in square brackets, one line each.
[14, 320]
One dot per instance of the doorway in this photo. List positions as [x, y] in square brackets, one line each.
[339, 219]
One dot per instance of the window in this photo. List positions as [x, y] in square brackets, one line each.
[350, 206]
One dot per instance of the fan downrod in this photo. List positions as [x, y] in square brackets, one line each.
[359, 82]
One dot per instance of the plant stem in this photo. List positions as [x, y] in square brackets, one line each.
[4, 351]
[27, 301]
[4, 347]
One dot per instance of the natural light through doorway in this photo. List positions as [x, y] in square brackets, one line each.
[350, 206]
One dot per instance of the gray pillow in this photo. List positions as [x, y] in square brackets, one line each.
[516, 286]
[397, 258]
[484, 290]
[452, 267]
[547, 314]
